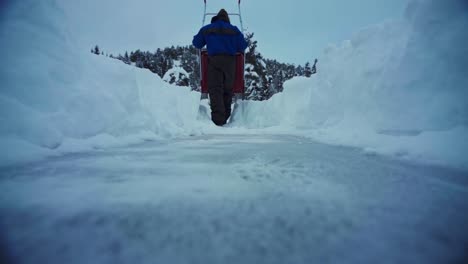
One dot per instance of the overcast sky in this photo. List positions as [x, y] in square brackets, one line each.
[292, 31]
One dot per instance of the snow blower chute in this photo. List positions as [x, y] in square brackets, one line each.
[239, 83]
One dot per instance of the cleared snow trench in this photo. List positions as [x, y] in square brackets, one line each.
[232, 199]
[102, 162]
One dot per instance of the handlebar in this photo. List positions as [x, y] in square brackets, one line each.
[237, 2]
[236, 14]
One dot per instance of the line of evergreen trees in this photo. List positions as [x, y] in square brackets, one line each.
[263, 77]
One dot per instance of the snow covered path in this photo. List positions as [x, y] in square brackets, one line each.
[232, 199]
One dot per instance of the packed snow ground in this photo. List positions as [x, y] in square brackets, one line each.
[378, 91]
[232, 199]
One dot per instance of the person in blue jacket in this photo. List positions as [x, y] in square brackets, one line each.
[222, 41]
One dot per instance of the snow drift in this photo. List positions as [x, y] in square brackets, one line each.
[55, 97]
[398, 88]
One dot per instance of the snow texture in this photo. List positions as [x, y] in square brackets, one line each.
[398, 88]
[103, 162]
[269, 199]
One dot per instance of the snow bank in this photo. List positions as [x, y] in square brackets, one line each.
[55, 99]
[397, 88]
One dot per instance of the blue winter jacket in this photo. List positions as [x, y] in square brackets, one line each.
[220, 38]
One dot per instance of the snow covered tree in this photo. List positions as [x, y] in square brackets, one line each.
[263, 77]
[189, 62]
[299, 71]
[279, 73]
[307, 70]
[177, 76]
[255, 77]
[126, 59]
[96, 50]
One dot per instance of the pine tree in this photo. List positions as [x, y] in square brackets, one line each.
[299, 71]
[307, 70]
[126, 59]
[96, 50]
[256, 76]
[189, 62]
[263, 77]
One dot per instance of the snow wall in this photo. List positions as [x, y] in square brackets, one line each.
[55, 98]
[398, 88]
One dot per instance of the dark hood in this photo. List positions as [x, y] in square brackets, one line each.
[223, 15]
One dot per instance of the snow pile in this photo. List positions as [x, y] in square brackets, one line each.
[428, 79]
[396, 88]
[55, 99]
